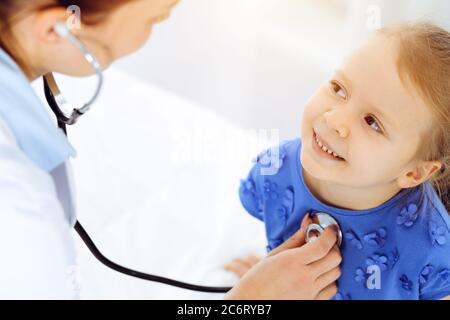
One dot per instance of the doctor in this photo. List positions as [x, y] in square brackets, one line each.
[36, 245]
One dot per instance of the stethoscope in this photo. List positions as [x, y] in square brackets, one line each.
[321, 222]
[68, 115]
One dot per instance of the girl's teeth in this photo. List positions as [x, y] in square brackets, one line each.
[326, 149]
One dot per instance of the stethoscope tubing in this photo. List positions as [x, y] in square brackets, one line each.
[53, 95]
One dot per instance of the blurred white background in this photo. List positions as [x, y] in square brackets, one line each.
[257, 62]
[213, 70]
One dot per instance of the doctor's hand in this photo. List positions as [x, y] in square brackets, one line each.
[294, 270]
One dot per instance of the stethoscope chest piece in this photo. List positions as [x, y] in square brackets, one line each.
[322, 221]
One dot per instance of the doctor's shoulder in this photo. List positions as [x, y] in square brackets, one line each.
[6, 135]
[34, 233]
[22, 183]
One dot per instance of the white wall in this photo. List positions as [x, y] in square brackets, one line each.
[257, 61]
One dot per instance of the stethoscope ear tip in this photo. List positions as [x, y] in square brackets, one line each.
[61, 29]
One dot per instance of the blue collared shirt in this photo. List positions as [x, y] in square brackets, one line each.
[35, 132]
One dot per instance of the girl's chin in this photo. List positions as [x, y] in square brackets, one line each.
[316, 168]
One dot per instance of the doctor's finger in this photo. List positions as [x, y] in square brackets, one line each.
[327, 293]
[296, 240]
[327, 263]
[237, 268]
[328, 278]
[251, 259]
[248, 261]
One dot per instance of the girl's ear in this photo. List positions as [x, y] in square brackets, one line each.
[419, 174]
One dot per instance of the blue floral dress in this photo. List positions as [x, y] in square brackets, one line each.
[398, 250]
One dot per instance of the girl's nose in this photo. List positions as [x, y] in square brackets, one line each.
[336, 121]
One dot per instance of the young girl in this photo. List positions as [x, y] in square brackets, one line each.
[375, 140]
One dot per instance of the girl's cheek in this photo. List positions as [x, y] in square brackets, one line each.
[313, 107]
[312, 114]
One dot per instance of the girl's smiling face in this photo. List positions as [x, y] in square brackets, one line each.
[367, 116]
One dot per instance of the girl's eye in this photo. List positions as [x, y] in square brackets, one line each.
[372, 122]
[338, 89]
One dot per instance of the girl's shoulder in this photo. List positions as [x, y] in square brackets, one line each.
[436, 210]
[434, 276]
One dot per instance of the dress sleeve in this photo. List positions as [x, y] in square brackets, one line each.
[35, 238]
[260, 187]
[250, 193]
[434, 278]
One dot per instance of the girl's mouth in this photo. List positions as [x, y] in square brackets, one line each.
[323, 151]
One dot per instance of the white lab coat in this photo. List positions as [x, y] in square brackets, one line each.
[37, 249]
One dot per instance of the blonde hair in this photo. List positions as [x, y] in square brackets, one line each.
[424, 62]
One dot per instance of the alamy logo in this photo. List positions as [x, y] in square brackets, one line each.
[271, 162]
[74, 20]
[373, 277]
[373, 21]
